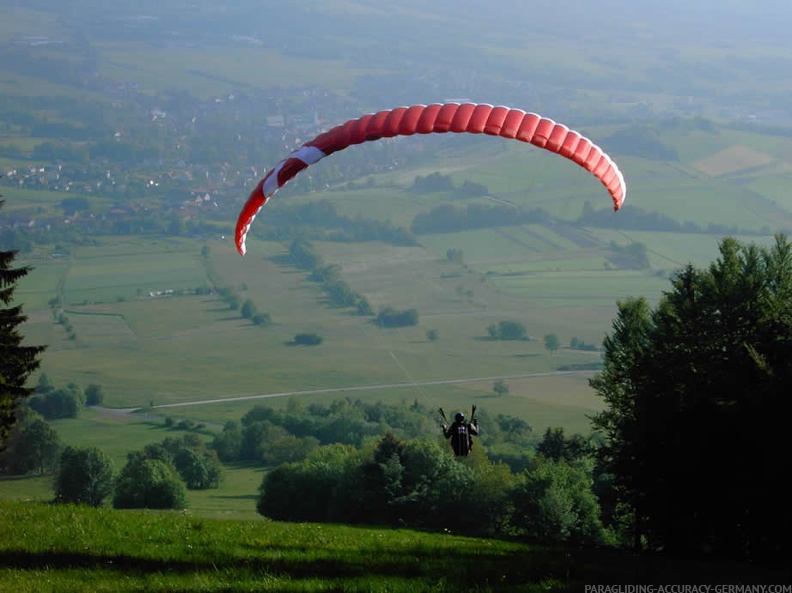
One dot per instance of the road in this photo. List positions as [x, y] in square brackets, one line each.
[356, 388]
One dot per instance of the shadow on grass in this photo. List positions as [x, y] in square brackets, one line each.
[566, 569]
[316, 562]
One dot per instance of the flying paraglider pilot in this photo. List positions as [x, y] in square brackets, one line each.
[461, 434]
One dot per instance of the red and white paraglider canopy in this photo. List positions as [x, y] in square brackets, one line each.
[438, 119]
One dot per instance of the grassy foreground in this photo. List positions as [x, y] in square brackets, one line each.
[67, 548]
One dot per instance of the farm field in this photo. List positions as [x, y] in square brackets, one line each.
[195, 347]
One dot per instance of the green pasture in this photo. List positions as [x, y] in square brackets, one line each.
[544, 400]
[702, 202]
[486, 249]
[114, 433]
[529, 177]
[559, 263]
[183, 348]
[549, 290]
[172, 349]
[119, 434]
[694, 145]
[776, 188]
[396, 204]
[32, 202]
[104, 276]
[671, 251]
[42, 281]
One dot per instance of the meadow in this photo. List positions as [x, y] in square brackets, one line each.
[67, 548]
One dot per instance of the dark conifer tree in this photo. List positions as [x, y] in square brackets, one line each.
[17, 361]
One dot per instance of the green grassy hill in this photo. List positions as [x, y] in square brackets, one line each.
[67, 548]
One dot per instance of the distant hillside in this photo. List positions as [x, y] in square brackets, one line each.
[616, 57]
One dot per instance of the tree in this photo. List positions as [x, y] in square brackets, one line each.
[551, 342]
[363, 307]
[390, 317]
[618, 385]
[228, 444]
[262, 319]
[697, 405]
[44, 385]
[432, 335]
[500, 388]
[61, 403]
[199, 471]
[33, 445]
[308, 339]
[556, 446]
[149, 484]
[554, 503]
[86, 475]
[233, 301]
[311, 490]
[248, 310]
[508, 330]
[94, 395]
[17, 361]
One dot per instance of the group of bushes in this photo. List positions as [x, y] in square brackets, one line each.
[156, 477]
[356, 462]
[268, 436]
[65, 402]
[246, 308]
[420, 484]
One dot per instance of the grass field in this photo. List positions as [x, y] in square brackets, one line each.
[67, 548]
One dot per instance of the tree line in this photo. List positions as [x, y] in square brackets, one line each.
[696, 393]
[338, 291]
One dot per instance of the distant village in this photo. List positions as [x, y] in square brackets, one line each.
[179, 184]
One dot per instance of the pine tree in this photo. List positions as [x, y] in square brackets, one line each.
[16, 361]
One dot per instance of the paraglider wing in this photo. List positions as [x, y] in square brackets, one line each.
[438, 119]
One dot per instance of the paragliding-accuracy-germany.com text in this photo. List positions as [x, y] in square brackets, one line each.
[688, 589]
